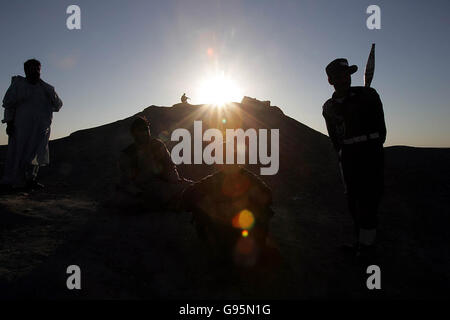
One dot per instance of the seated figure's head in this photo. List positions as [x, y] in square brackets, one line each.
[140, 130]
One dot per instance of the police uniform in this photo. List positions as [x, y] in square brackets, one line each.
[357, 130]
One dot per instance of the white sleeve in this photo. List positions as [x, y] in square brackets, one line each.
[55, 100]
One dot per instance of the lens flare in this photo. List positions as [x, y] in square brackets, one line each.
[245, 233]
[244, 220]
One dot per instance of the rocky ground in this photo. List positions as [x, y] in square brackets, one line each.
[158, 255]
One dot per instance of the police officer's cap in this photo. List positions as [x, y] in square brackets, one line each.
[339, 66]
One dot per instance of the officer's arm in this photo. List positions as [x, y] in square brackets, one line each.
[331, 128]
[379, 115]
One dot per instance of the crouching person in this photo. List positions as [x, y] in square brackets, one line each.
[231, 210]
[149, 181]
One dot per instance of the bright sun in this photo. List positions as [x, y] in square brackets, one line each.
[218, 90]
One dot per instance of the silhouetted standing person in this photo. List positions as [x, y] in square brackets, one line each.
[355, 121]
[29, 105]
[184, 99]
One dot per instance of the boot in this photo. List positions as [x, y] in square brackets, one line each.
[6, 188]
[366, 254]
[34, 185]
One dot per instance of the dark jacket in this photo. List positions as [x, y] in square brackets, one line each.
[229, 193]
[359, 113]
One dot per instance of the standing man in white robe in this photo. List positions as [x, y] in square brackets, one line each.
[29, 105]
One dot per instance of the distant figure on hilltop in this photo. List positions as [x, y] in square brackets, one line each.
[184, 99]
[148, 177]
[355, 121]
[29, 105]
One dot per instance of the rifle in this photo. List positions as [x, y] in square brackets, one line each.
[370, 67]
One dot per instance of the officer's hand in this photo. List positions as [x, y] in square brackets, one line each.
[10, 128]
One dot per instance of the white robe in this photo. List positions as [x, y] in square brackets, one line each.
[30, 107]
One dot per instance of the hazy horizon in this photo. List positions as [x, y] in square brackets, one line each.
[130, 55]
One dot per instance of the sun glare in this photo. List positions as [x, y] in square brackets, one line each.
[218, 90]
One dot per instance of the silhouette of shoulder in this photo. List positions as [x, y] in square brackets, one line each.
[254, 178]
[326, 108]
[365, 91]
[129, 150]
[47, 85]
[259, 191]
[216, 184]
[360, 91]
[157, 143]
[18, 79]
[158, 148]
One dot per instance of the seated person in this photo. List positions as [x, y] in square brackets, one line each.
[148, 177]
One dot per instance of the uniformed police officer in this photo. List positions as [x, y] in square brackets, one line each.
[355, 121]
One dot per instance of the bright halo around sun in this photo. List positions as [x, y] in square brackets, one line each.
[219, 90]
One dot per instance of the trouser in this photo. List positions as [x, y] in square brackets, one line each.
[31, 172]
[363, 212]
[363, 170]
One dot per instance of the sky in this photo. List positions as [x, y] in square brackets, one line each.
[132, 54]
